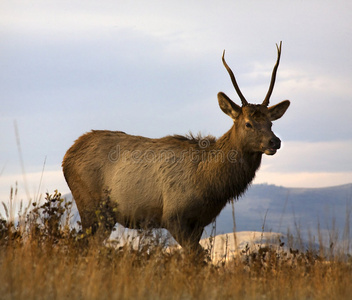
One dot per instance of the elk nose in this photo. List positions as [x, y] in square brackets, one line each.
[275, 143]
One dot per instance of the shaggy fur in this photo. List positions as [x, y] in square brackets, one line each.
[180, 183]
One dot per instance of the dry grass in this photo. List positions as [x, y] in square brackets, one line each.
[42, 258]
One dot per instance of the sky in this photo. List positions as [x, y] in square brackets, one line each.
[153, 68]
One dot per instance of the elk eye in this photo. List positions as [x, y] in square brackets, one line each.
[248, 125]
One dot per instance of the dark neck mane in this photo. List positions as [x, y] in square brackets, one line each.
[226, 169]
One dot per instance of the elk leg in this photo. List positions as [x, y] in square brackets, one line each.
[187, 235]
[88, 221]
[98, 219]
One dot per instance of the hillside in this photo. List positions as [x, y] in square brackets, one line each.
[292, 208]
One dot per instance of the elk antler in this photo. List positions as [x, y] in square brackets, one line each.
[233, 79]
[273, 76]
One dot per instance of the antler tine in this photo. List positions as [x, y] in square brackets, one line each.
[233, 79]
[273, 76]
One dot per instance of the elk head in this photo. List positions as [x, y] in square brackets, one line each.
[252, 122]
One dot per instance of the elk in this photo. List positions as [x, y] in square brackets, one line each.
[180, 183]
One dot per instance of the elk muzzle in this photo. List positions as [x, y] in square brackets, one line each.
[274, 144]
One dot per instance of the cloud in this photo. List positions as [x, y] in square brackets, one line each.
[311, 157]
[303, 179]
[155, 68]
[303, 164]
[37, 184]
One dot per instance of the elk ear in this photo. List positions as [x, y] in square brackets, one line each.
[228, 106]
[278, 110]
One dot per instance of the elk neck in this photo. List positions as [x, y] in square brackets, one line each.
[228, 170]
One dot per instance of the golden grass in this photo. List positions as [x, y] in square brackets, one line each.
[45, 260]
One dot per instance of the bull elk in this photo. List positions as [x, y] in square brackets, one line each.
[180, 183]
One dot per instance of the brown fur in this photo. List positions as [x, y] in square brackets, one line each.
[180, 183]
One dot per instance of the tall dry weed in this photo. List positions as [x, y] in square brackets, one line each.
[47, 259]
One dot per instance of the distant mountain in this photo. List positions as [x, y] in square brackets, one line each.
[278, 209]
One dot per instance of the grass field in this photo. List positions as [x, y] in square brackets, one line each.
[41, 257]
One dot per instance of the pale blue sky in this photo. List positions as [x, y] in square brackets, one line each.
[154, 68]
